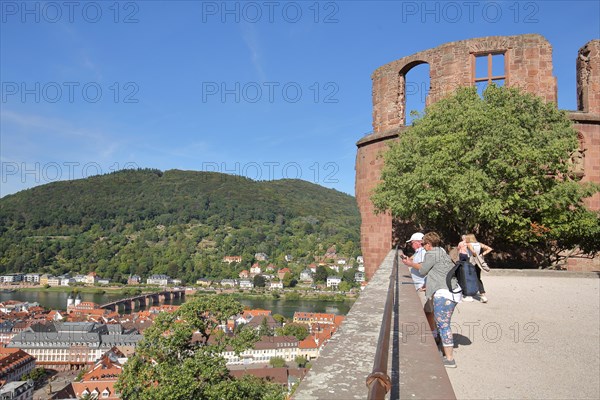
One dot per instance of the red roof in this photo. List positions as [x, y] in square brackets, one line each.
[275, 375]
[308, 343]
[13, 358]
[255, 312]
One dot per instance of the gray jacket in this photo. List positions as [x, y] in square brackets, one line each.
[436, 266]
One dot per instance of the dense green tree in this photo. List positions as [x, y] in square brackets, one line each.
[321, 274]
[277, 362]
[301, 361]
[344, 286]
[259, 281]
[348, 275]
[292, 296]
[497, 165]
[36, 374]
[179, 357]
[300, 331]
[264, 329]
[279, 318]
[289, 280]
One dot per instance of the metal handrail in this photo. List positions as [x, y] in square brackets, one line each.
[379, 382]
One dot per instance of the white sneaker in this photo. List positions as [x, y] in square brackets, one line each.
[467, 298]
[483, 299]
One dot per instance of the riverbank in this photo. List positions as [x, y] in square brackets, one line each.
[286, 306]
[289, 294]
[126, 291]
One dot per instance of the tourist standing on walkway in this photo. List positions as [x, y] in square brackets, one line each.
[464, 255]
[414, 263]
[475, 248]
[463, 250]
[436, 266]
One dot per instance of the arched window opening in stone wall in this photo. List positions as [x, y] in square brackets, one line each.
[416, 90]
[403, 88]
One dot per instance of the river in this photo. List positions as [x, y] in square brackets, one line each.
[58, 301]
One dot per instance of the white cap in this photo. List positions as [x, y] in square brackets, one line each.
[415, 236]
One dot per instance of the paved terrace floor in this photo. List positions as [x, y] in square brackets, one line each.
[538, 337]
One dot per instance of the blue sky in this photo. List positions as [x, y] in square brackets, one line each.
[264, 89]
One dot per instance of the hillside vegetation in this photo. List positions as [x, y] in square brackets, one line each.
[179, 223]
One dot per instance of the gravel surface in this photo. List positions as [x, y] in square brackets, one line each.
[538, 337]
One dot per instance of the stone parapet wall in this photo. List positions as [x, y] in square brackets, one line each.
[414, 364]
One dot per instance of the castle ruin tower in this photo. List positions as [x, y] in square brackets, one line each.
[522, 61]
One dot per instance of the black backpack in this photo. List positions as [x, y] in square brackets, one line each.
[466, 274]
[451, 274]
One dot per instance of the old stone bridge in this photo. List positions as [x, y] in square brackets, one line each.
[144, 300]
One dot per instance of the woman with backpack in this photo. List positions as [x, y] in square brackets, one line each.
[436, 266]
[474, 249]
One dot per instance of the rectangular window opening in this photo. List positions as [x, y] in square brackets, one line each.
[488, 68]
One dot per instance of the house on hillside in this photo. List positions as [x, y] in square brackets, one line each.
[32, 278]
[158, 279]
[261, 257]
[281, 273]
[276, 285]
[134, 280]
[229, 282]
[270, 268]
[333, 281]
[91, 278]
[53, 281]
[255, 269]
[359, 277]
[331, 253]
[246, 284]
[306, 276]
[11, 278]
[204, 282]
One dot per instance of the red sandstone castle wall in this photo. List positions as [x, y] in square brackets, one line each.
[588, 77]
[376, 230]
[587, 119]
[590, 142]
[527, 65]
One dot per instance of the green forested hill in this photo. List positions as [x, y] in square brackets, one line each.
[180, 223]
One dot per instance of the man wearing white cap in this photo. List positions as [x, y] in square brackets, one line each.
[416, 242]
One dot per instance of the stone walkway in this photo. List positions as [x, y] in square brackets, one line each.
[538, 337]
